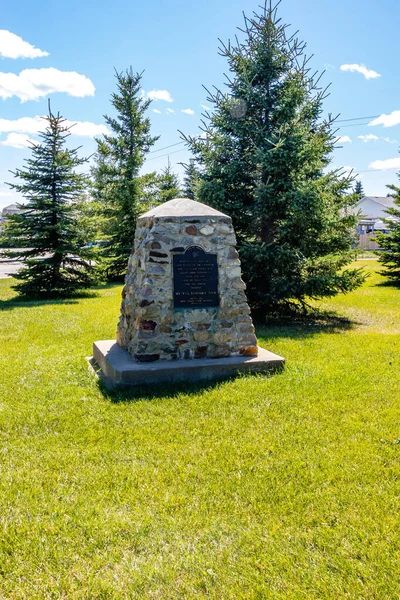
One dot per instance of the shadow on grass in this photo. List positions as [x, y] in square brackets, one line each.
[311, 323]
[166, 391]
[26, 302]
[294, 326]
[158, 391]
[389, 283]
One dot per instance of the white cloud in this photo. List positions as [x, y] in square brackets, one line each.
[5, 194]
[13, 46]
[32, 84]
[384, 165]
[188, 111]
[159, 95]
[170, 111]
[158, 112]
[17, 140]
[23, 125]
[387, 120]
[33, 125]
[370, 137]
[343, 139]
[368, 73]
[85, 128]
[205, 107]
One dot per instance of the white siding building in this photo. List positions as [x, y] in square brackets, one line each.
[12, 209]
[373, 212]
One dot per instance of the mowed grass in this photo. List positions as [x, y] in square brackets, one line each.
[276, 487]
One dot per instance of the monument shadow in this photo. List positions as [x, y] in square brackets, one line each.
[117, 394]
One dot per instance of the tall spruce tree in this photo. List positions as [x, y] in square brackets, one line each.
[119, 157]
[390, 242]
[51, 228]
[263, 159]
[169, 185]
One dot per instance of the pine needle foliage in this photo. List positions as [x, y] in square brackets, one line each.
[359, 190]
[120, 155]
[190, 179]
[169, 185]
[389, 256]
[50, 231]
[263, 157]
[149, 191]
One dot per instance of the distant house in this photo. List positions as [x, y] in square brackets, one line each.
[372, 210]
[12, 209]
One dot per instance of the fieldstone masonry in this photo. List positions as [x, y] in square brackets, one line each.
[151, 327]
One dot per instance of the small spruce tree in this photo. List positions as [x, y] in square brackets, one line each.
[190, 180]
[120, 155]
[263, 162]
[149, 191]
[169, 185]
[389, 256]
[359, 190]
[51, 228]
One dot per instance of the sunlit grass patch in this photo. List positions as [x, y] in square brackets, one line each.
[283, 486]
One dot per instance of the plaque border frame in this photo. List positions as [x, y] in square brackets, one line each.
[199, 306]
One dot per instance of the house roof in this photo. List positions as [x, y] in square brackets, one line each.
[10, 207]
[382, 204]
[385, 201]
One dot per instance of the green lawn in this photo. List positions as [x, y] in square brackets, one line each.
[261, 487]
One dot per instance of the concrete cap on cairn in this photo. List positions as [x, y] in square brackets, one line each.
[183, 207]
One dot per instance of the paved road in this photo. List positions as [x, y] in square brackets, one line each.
[9, 268]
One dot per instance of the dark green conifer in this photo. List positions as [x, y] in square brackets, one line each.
[120, 155]
[169, 185]
[149, 191]
[390, 242]
[359, 190]
[190, 180]
[264, 160]
[51, 228]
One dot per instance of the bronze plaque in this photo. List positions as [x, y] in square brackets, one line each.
[195, 277]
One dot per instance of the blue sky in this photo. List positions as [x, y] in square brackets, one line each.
[68, 51]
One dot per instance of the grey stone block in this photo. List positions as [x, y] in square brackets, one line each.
[182, 207]
[119, 368]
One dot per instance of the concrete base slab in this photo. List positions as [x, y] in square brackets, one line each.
[119, 368]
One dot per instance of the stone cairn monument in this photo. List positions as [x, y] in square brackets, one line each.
[184, 312]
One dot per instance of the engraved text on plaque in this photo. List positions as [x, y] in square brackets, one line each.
[195, 276]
